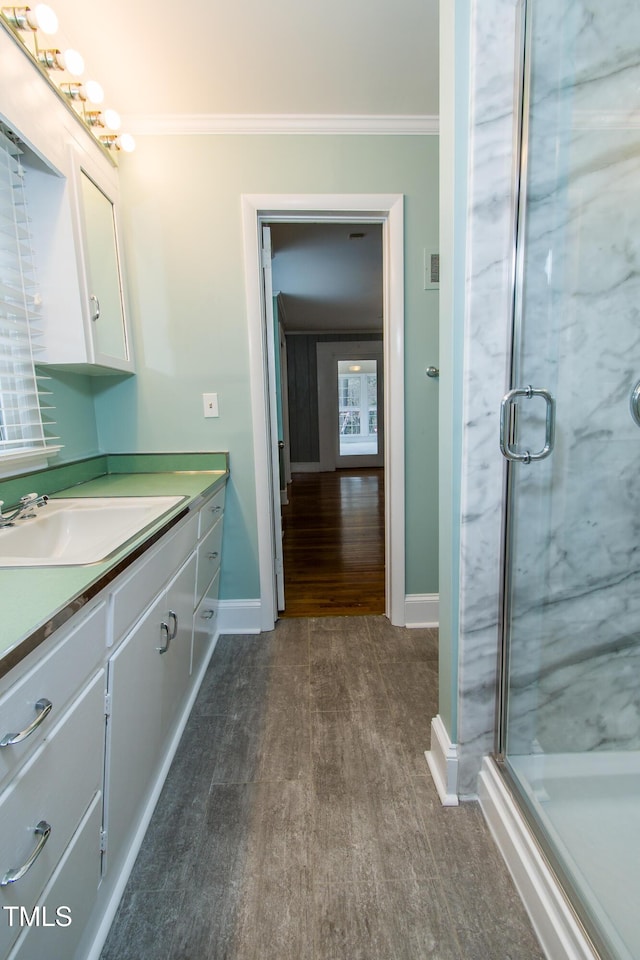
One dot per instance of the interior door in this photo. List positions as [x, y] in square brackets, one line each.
[271, 337]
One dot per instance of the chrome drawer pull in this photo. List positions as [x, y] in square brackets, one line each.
[95, 314]
[216, 509]
[213, 556]
[43, 709]
[173, 616]
[208, 614]
[43, 830]
[164, 628]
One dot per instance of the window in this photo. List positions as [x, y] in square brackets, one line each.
[358, 407]
[22, 433]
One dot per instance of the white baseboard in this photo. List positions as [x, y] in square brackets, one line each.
[239, 616]
[558, 931]
[305, 467]
[443, 763]
[422, 610]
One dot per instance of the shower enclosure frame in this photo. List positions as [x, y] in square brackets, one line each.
[521, 133]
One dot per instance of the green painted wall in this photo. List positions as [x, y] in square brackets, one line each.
[75, 421]
[184, 258]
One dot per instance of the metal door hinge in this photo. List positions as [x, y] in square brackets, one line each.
[103, 841]
[107, 704]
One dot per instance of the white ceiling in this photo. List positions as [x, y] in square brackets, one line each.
[161, 59]
[156, 57]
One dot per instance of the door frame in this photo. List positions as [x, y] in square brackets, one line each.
[388, 210]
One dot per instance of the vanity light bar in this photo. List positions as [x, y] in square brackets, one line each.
[61, 67]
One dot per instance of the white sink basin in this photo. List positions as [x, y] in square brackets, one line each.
[76, 531]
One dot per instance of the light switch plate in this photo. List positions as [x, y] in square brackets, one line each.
[210, 402]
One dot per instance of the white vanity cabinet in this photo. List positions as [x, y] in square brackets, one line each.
[52, 776]
[159, 649]
[79, 778]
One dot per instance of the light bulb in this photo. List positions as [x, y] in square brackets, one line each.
[45, 18]
[74, 63]
[126, 143]
[112, 119]
[94, 91]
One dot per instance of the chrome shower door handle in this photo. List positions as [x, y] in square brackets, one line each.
[506, 441]
[634, 403]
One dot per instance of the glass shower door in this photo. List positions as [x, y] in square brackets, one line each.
[571, 678]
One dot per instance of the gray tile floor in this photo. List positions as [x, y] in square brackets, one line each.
[299, 821]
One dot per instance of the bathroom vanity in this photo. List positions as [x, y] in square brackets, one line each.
[91, 712]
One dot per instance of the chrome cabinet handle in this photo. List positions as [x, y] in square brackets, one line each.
[212, 556]
[164, 628]
[43, 830]
[216, 509]
[208, 614]
[43, 709]
[96, 313]
[173, 616]
[506, 447]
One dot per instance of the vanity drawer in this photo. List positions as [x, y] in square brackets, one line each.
[208, 559]
[148, 575]
[56, 785]
[72, 887]
[55, 679]
[211, 512]
[205, 624]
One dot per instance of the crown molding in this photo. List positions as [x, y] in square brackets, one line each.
[285, 123]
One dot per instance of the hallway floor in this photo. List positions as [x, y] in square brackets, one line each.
[333, 544]
[299, 821]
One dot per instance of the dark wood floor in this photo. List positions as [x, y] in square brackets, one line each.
[334, 544]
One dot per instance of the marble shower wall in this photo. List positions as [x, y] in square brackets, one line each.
[577, 543]
[576, 623]
[487, 323]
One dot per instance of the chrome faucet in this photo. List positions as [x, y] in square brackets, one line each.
[23, 510]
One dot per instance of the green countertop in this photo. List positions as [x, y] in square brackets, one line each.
[37, 600]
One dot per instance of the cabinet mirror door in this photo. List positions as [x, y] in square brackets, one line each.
[103, 274]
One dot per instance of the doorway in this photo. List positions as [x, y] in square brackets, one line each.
[386, 210]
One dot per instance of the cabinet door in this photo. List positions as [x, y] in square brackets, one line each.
[179, 616]
[104, 284]
[148, 680]
[134, 731]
